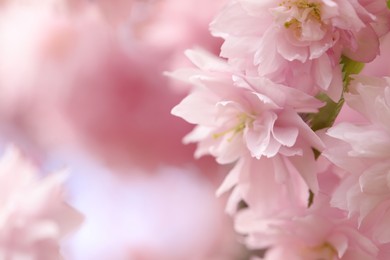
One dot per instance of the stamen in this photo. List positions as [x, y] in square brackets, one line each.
[322, 252]
[243, 120]
[315, 10]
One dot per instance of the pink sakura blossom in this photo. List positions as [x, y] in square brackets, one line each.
[363, 151]
[34, 216]
[254, 122]
[270, 186]
[297, 42]
[317, 233]
[235, 114]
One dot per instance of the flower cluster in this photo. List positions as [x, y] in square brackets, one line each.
[301, 186]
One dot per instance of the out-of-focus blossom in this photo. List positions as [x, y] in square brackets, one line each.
[170, 214]
[90, 84]
[177, 27]
[89, 75]
[34, 216]
[115, 11]
[38, 42]
[120, 109]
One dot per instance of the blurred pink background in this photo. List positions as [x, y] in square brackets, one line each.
[82, 87]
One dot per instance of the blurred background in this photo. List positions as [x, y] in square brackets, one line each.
[82, 88]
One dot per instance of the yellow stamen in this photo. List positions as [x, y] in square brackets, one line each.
[315, 11]
[322, 252]
[243, 120]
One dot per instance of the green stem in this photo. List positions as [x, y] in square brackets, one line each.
[327, 114]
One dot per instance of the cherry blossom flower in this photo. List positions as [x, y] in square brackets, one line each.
[249, 108]
[34, 216]
[298, 43]
[237, 114]
[317, 233]
[281, 183]
[255, 123]
[363, 151]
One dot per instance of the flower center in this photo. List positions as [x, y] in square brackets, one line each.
[322, 252]
[302, 11]
[243, 120]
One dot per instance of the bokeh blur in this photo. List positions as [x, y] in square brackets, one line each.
[82, 87]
